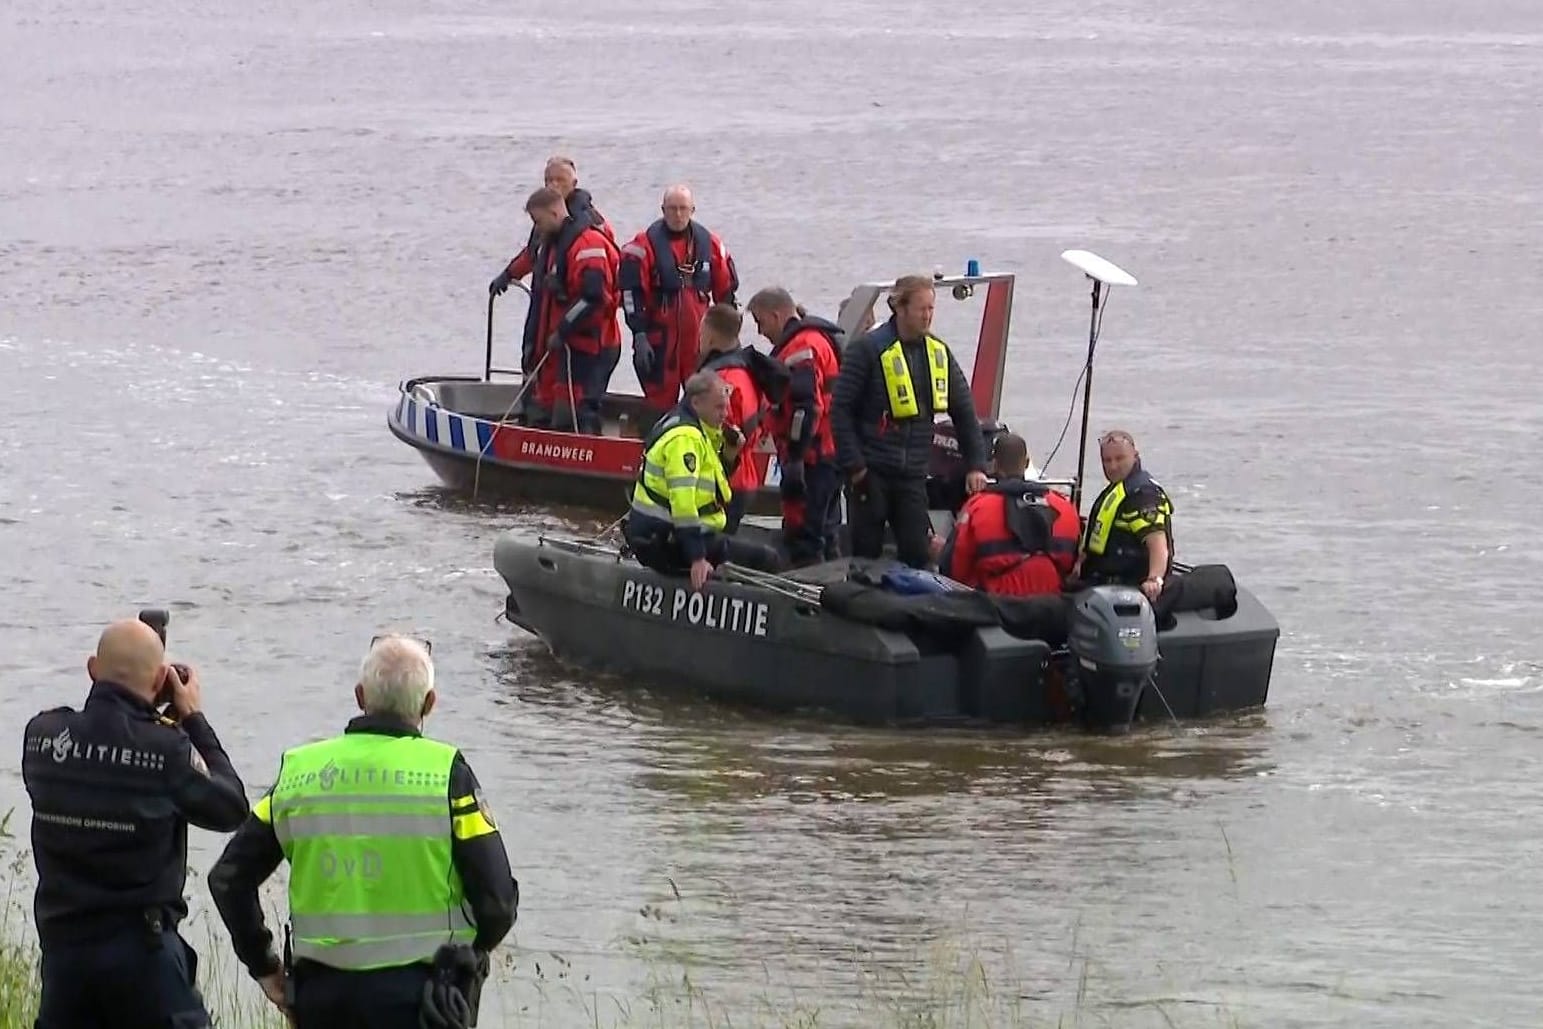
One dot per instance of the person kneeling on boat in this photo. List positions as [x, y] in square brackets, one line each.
[754, 380]
[1129, 535]
[678, 517]
[575, 293]
[1014, 538]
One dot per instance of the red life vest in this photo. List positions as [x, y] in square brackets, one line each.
[1025, 538]
[810, 348]
[746, 410]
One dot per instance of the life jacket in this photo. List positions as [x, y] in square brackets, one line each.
[830, 330]
[580, 202]
[769, 375]
[1035, 520]
[741, 360]
[1115, 548]
[668, 280]
[900, 386]
[651, 491]
[555, 281]
[812, 412]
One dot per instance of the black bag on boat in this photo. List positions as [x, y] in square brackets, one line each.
[946, 619]
[1044, 617]
[1202, 588]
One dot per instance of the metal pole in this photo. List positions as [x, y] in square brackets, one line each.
[487, 368]
[1087, 398]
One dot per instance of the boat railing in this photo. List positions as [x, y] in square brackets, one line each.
[487, 363]
[579, 546]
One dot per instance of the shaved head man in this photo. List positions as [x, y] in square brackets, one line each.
[670, 274]
[1129, 535]
[131, 654]
[114, 787]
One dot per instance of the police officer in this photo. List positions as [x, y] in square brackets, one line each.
[113, 788]
[1129, 535]
[396, 864]
[679, 514]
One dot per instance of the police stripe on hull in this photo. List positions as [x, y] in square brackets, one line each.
[471, 436]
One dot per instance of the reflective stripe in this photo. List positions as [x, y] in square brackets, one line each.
[1106, 519]
[364, 954]
[633, 250]
[375, 926]
[462, 803]
[470, 826]
[589, 252]
[400, 803]
[651, 509]
[301, 825]
[263, 809]
[1102, 522]
[798, 355]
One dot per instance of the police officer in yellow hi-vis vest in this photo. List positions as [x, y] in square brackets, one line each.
[680, 500]
[894, 381]
[399, 884]
[1128, 538]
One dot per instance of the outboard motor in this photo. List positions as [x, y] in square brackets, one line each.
[1112, 636]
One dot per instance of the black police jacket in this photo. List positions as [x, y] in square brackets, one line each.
[253, 854]
[866, 437]
[113, 788]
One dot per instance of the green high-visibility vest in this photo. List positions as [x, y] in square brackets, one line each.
[365, 822]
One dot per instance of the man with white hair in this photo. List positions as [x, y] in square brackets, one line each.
[396, 864]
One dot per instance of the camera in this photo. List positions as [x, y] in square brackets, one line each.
[158, 618]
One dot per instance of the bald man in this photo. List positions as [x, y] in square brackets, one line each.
[113, 788]
[670, 274]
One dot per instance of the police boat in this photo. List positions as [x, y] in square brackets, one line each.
[877, 643]
[467, 427]
[849, 638]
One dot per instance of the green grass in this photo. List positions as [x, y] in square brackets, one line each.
[947, 986]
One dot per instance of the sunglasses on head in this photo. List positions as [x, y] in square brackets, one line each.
[427, 645]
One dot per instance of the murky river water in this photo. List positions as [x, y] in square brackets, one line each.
[226, 234]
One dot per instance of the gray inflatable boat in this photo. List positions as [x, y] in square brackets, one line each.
[836, 638]
[844, 637]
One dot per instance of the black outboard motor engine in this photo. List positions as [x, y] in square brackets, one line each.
[1112, 636]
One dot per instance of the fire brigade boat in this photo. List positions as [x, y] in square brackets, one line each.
[839, 638]
[465, 427]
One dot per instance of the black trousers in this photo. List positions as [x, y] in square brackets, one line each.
[130, 981]
[382, 998]
[662, 553]
[897, 501]
[811, 524]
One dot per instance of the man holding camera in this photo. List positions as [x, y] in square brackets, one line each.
[113, 788]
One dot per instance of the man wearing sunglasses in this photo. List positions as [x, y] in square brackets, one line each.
[1129, 535]
[397, 869]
